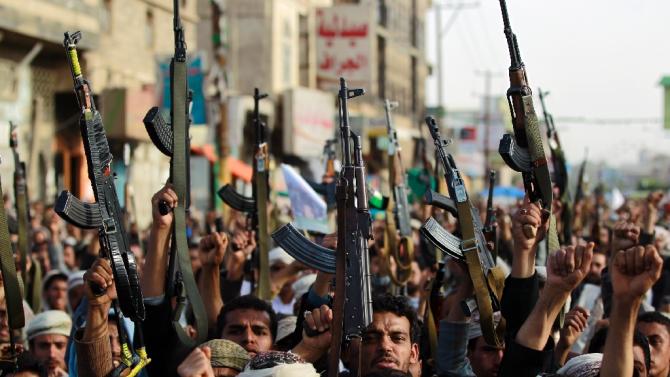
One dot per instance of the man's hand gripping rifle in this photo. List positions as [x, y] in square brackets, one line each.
[256, 206]
[524, 151]
[172, 139]
[351, 261]
[32, 279]
[487, 278]
[328, 184]
[560, 171]
[105, 215]
[397, 212]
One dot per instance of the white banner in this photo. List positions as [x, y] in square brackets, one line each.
[343, 46]
[309, 209]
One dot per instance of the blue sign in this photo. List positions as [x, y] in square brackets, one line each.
[196, 78]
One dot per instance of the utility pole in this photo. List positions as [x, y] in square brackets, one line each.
[440, 33]
[486, 119]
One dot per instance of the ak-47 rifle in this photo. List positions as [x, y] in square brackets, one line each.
[256, 206]
[328, 184]
[32, 279]
[579, 197]
[351, 261]
[172, 139]
[397, 212]
[487, 278]
[579, 192]
[524, 151]
[490, 223]
[105, 215]
[13, 295]
[560, 171]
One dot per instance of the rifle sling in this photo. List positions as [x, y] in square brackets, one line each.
[539, 167]
[180, 182]
[481, 280]
[264, 292]
[12, 285]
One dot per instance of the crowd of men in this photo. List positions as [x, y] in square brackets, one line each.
[599, 306]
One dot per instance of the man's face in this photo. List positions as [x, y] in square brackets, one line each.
[69, 256]
[115, 342]
[50, 350]
[659, 344]
[387, 344]
[485, 359]
[56, 294]
[250, 329]
[598, 263]
[639, 367]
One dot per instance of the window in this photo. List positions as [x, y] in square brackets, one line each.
[303, 53]
[382, 15]
[149, 29]
[381, 67]
[414, 86]
[106, 16]
[287, 53]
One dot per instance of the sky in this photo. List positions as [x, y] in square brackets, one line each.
[601, 60]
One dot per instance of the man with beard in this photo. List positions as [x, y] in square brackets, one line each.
[390, 342]
[48, 335]
[656, 327]
[54, 290]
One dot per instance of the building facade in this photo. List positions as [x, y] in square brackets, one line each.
[125, 45]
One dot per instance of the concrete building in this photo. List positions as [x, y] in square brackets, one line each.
[125, 47]
[297, 49]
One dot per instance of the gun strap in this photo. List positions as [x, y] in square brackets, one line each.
[22, 220]
[263, 290]
[481, 280]
[12, 285]
[432, 330]
[180, 182]
[33, 286]
[539, 168]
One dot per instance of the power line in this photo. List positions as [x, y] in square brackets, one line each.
[609, 121]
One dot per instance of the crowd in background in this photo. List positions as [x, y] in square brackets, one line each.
[598, 306]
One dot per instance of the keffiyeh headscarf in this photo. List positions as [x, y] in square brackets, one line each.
[587, 365]
[278, 364]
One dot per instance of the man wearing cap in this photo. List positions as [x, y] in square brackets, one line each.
[54, 290]
[75, 289]
[221, 358]
[48, 335]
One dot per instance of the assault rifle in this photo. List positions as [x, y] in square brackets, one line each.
[490, 223]
[327, 186]
[105, 215]
[256, 206]
[487, 278]
[579, 192]
[560, 171]
[524, 151]
[557, 155]
[579, 220]
[172, 139]
[351, 261]
[13, 296]
[397, 217]
[32, 279]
